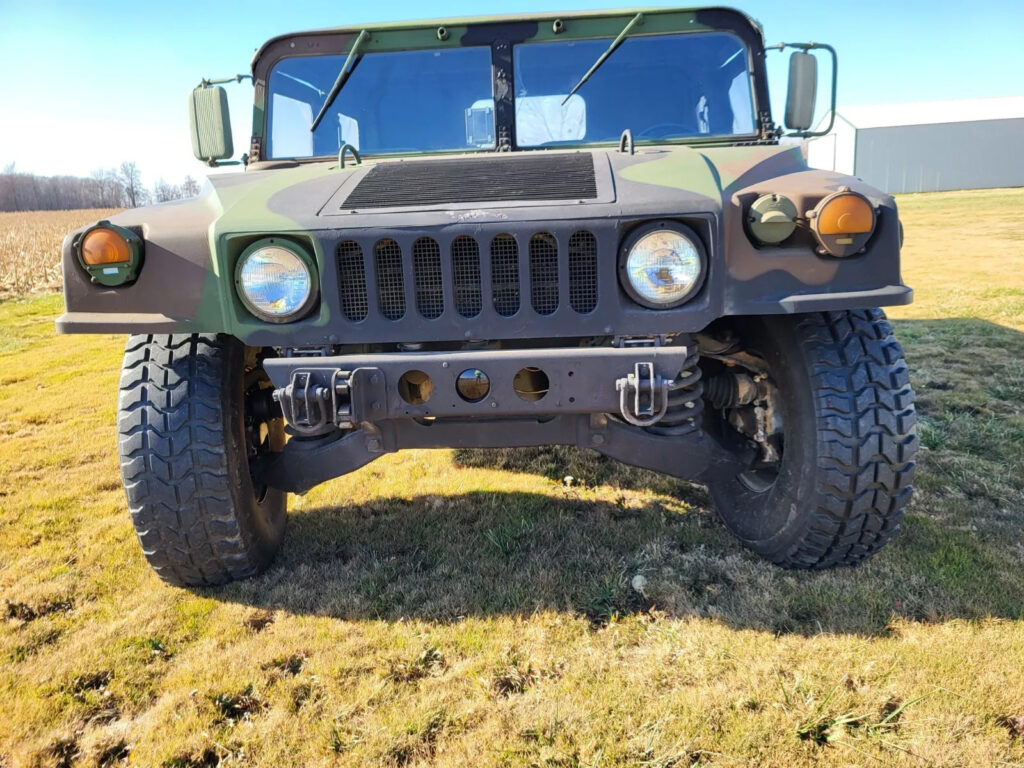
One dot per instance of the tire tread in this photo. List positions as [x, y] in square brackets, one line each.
[174, 440]
[867, 438]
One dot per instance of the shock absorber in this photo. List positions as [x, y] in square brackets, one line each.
[685, 401]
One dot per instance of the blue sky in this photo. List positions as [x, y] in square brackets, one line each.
[84, 85]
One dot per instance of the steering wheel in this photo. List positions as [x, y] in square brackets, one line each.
[660, 130]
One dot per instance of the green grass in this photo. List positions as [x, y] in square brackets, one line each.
[479, 608]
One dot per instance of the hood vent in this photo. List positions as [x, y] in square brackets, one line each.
[540, 176]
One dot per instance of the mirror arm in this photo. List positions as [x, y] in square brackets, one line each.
[805, 47]
[205, 83]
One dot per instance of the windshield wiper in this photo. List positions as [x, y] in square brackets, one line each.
[339, 83]
[638, 19]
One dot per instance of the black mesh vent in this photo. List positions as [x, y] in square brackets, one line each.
[543, 273]
[583, 271]
[352, 280]
[505, 275]
[540, 176]
[390, 280]
[426, 269]
[466, 271]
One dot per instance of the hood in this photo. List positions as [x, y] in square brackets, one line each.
[492, 187]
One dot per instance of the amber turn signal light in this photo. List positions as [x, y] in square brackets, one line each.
[110, 254]
[104, 246]
[846, 215]
[842, 223]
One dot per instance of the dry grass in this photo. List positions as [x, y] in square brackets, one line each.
[474, 608]
[30, 247]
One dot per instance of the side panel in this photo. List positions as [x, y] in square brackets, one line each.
[177, 287]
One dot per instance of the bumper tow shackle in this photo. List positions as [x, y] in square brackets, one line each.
[643, 395]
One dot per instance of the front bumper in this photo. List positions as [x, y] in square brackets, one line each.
[317, 393]
[346, 411]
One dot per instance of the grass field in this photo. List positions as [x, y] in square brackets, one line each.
[478, 608]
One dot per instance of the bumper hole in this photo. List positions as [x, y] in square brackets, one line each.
[473, 385]
[531, 384]
[415, 387]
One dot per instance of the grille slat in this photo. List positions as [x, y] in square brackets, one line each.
[466, 274]
[352, 281]
[426, 266]
[543, 273]
[505, 275]
[540, 176]
[583, 271]
[390, 278]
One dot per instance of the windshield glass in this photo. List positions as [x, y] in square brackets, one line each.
[673, 86]
[407, 101]
[660, 87]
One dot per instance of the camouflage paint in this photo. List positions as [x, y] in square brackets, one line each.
[186, 282]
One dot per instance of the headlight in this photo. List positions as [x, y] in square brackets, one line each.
[663, 265]
[275, 280]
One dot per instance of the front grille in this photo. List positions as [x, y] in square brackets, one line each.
[559, 271]
[583, 271]
[541, 176]
[390, 278]
[544, 273]
[352, 281]
[466, 274]
[426, 269]
[505, 275]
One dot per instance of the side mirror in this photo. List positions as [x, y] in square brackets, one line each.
[210, 123]
[803, 90]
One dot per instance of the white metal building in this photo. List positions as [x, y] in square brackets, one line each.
[927, 146]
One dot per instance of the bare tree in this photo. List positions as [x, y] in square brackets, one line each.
[131, 180]
[107, 189]
[163, 192]
[190, 187]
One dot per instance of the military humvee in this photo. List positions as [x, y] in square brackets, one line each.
[577, 229]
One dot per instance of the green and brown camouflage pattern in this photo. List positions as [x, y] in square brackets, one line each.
[186, 284]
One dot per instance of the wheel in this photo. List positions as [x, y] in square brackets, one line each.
[189, 429]
[831, 416]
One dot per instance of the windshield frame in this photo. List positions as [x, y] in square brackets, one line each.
[502, 34]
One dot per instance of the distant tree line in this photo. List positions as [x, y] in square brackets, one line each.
[104, 188]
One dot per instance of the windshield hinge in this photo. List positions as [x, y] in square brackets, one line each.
[769, 130]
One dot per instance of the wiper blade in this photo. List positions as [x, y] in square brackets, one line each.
[343, 75]
[638, 19]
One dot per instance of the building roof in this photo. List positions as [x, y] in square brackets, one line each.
[928, 112]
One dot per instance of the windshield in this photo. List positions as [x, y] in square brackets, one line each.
[674, 86]
[406, 101]
[660, 87]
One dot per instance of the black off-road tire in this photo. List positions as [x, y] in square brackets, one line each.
[185, 464]
[850, 441]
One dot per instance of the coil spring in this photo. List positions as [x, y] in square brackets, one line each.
[685, 402]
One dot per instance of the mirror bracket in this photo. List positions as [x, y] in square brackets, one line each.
[205, 83]
[806, 48]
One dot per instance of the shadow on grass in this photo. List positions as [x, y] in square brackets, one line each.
[484, 554]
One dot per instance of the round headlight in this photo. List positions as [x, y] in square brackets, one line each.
[663, 266]
[275, 282]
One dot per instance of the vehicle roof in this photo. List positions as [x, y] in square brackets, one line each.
[497, 18]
